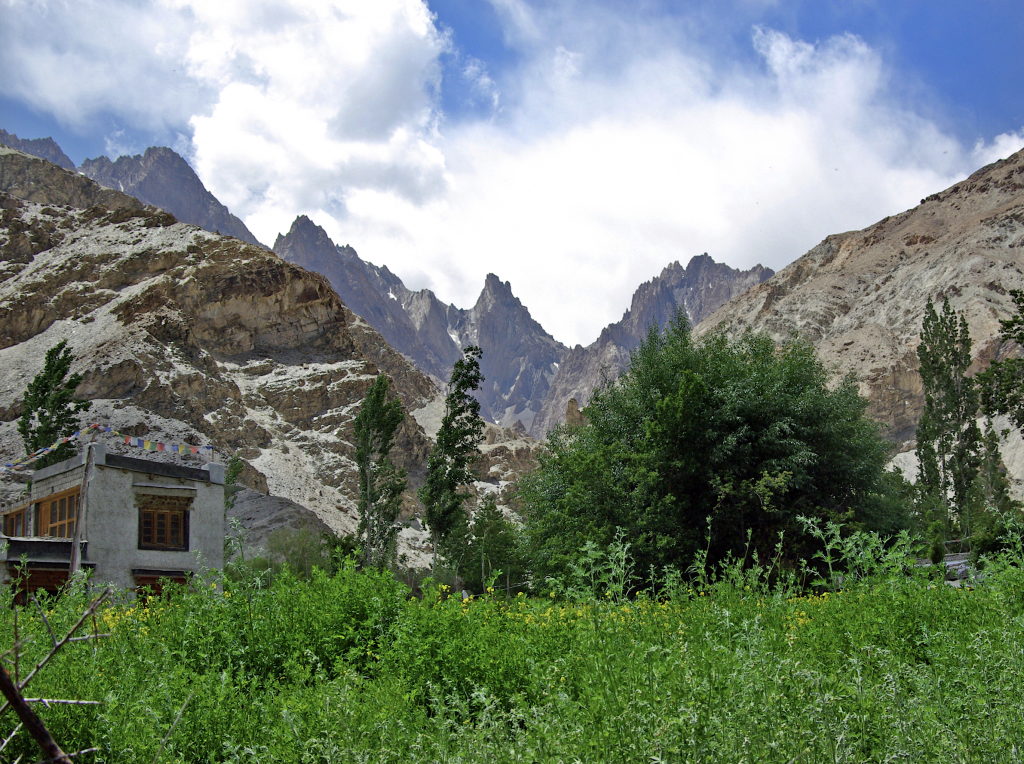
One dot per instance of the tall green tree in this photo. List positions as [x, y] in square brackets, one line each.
[949, 441]
[50, 409]
[380, 483]
[1002, 384]
[743, 432]
[494, 547]
[449, 467]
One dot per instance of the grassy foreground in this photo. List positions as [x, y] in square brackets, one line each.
[344, 669]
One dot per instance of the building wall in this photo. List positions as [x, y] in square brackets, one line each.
[56, 483]
[111, 516]
[111, 524]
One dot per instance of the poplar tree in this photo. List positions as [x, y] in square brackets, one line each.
[1002, 383]
[51, 410]
[380, 483]
[949, 442]
[449, 467]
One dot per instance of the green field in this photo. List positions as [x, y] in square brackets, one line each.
[343, 668]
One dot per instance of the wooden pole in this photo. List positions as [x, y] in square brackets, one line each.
[31, 720]
[76, 543]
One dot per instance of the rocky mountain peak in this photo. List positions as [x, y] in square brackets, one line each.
[304, 237]
[859, 297]
[698, 289]
[164, 179]
[497, 290]
[44, 148]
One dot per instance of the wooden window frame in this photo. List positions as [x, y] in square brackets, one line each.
[70, 502]
[11, 521]
[152, 582]
[47, 579]
[181, 513]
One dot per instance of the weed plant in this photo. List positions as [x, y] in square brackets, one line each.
[740, 664]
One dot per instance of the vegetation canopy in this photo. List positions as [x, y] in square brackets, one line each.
[738, 433]
[50, 407]
[449, 466]
[381, 483]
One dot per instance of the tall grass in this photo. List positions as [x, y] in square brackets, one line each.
[738, 664]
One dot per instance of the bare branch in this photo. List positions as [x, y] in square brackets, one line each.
[86, 638]
[85, 616]
[30, 719]
[47, 701]
[171, 730]
[67, 755]
[45, 620]
[10, 737]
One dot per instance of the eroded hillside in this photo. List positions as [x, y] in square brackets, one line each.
[859, 297]
[185, 336]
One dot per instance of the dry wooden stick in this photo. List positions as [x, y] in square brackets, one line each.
[10, 737]
[47, 701]
[68, 755]
[45, 620]
[171, 730]
[68, 638]
[30, 719]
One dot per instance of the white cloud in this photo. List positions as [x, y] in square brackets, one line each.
[615, 146]
[78, 59]
[331, 97]
[601, 175]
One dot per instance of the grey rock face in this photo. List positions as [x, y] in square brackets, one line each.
[859, 297]
[36, 180]
[260, 515]
[44, 148]
[519, 358]
[162, 178]
[698, 289]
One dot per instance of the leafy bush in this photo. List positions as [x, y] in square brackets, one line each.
[739, 664]
[739, 432]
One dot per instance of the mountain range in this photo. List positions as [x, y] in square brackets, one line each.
[530, 376]
[266, 354]
[192, 337]
[159, 177]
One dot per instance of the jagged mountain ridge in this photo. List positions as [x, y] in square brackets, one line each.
[699, 289]
[519, 357]
[159, 177]
[527, 381]
[530, 376]
[859, 297]
[44, 148]
[164, 179]
[186, 336]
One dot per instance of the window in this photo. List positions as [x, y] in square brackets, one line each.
[14, 523]
[49, 580]
[163, 522]
[57, 514]
[152, 581]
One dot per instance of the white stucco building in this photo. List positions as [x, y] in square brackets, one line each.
[141, 521]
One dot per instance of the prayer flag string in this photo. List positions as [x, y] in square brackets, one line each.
[23, 462]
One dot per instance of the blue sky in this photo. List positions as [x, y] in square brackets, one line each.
[573, 148]
[960, 62]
